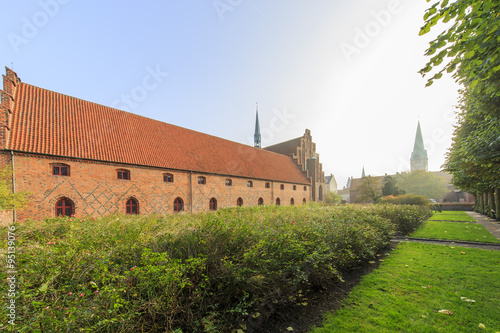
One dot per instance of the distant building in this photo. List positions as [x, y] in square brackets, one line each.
[419, 159]
[331, 183]
[303, 152]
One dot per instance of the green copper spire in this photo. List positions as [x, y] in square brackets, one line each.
[419, 159]
[418, 148]
[256, 137]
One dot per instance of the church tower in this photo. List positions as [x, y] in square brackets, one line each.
[256, 136]
[419, 160]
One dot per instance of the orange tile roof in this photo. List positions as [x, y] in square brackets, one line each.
[46, 122]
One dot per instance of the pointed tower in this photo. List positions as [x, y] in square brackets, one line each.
[419, 159]
[256, 136]
[363, 173]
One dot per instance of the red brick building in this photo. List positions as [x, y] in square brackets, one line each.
[81, 158]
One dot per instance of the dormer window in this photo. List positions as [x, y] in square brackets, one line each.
[60, 169]
[168, 178]
[123, 174]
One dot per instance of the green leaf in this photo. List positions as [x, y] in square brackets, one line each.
[43, 288]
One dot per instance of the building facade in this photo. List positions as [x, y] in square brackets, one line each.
[81, 158]
[303, 152]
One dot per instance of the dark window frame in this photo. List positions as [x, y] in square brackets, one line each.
[168, 178]
[295, 187]
[278, 201]
[212, 204]
[57, 169]
[178, 205]
[239, 202]
[282, 186]
[123, 174]
[202, 180]
[267, 185]
[62, 205]
[229, 182]
[260, 202]
[292, 202]
[249, 183]
[132, 206]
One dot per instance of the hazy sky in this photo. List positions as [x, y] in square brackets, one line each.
[346, 70]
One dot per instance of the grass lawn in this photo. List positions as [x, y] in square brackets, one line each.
[452, 216]
[414, 283]
[455, 231]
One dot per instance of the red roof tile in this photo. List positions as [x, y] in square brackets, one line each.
[46, 122]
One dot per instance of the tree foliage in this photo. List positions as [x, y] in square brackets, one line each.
[390, 187]
[8, 199]
[332, 197]
[369, 190]
[421, 182]
[470, 43]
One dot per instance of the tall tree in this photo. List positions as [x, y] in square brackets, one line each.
[390, 187]
[472, 45]
[369, 190]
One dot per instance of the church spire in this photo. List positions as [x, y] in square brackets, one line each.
[256, 137]
[419, 159]
[363, 173]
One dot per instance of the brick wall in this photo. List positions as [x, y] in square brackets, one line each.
[94, 189]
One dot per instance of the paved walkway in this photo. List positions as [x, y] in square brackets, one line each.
[490, 224]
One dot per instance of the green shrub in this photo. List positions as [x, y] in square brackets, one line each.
[406, 199]
[406, 218]
[188, 273]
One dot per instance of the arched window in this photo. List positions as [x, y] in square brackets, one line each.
[132, 206]
[278, 201]
[178, 205]
[60, 169]
[168, 178]
[213, 204]
[65, 207]
[304, 201]
[260, 202]
[249, 183]
[123, 174]
[320, 193]
[229, 182]
[239, 202]
[202, 180]
[292, 202]
[268, 185]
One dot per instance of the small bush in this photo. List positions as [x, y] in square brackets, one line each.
[406, 218]
[406, 199]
